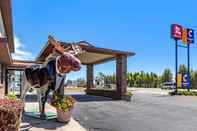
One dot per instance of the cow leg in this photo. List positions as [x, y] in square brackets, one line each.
[24, 91]
[43, 100]
[25, 88]
[39, 99]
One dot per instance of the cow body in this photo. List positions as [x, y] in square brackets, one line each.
[48, 77]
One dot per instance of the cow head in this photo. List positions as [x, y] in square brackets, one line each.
[68, 62]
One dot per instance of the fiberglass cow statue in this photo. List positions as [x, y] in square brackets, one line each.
[49, 76]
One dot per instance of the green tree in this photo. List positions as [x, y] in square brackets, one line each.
[110, 79]
[81, 82]
[130, 80]
[167, 76]
[182, 69]
[193, 79]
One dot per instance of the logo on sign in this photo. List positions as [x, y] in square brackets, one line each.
[180, 33]
[184, 36]
[190, 36]
[185, 80]
[176, 31]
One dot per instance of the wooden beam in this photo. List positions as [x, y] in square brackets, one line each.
[6, 12]
[104, 60]
[5, 56]
[106, 51]
[48, 48]
[56, 45]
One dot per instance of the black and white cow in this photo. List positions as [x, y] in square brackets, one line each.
[49, 76]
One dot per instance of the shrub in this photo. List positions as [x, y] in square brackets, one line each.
[129, 93]
[187, 93]
[12, 96]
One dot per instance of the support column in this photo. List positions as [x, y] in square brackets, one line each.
[6, 82]
[90, 76]
[121, 72]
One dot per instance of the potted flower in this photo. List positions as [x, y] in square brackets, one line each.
[64, 107]
[128, 96]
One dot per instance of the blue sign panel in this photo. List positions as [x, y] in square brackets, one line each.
[186, 80]
[190, 36]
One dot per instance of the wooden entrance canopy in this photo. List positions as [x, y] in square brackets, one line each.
[91, 56]
[21, 64]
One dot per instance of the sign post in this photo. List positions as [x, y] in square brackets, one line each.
[187, 37]
[176, 65]
[188, 65]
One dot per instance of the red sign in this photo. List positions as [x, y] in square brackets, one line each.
[180, 33]
[176, 31]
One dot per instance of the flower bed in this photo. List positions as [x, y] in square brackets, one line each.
[10, 114]
[187, 93]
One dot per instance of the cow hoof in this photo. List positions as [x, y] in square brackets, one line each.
[42, 116]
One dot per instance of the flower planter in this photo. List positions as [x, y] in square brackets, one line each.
[10, 114]
[64, 107]
[64, 116]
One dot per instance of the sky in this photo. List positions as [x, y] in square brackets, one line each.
[138, 26]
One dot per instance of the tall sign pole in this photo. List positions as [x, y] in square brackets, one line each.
[190, 40]
[188, 66]
[187, 37]
[176, 64]
[176, 34]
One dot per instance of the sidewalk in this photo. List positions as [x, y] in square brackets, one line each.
[32, 124]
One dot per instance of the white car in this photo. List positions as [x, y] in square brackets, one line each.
[168, 85]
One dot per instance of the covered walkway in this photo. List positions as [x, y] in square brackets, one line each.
[92, 56]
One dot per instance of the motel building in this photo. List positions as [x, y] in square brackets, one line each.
[11, 70]
[6, 41]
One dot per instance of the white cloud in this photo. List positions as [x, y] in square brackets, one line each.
[20, 53]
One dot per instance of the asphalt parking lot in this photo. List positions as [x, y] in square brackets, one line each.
[146, 112]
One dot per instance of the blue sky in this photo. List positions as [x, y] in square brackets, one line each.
[138, 26]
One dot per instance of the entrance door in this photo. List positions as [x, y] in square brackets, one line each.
[13, 81]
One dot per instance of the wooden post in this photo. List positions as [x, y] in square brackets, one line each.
[121, 72]
[90, 76]
[6, 81]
